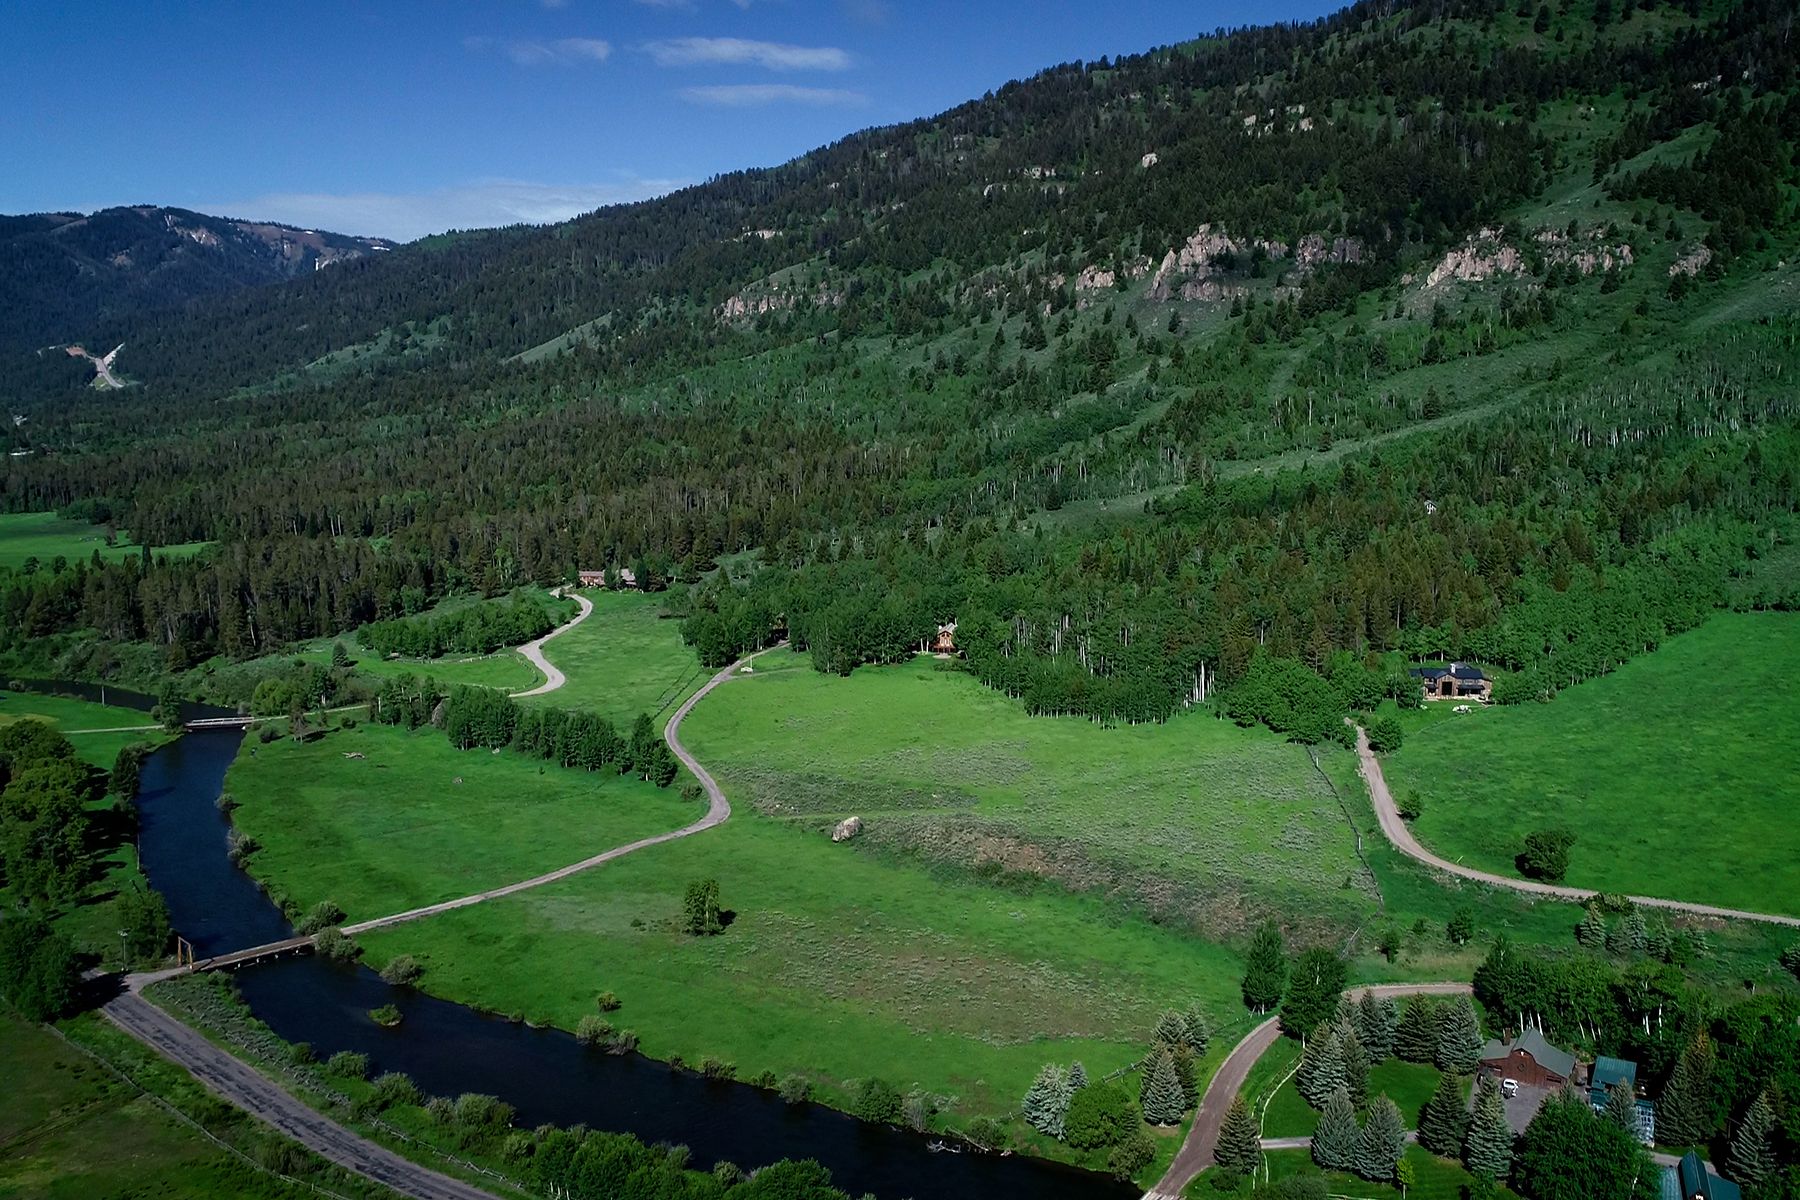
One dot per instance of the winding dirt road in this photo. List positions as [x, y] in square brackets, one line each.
[1196, 1153]
[237, 1083]
[534, 651]
[1402, 837]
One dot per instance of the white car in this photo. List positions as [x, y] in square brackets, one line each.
[1509, 1088]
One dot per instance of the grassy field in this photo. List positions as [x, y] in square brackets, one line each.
[70, 1128]
[504, 669]
[1407, 1084]
[47, 537]
[836, 965]
[1196, 822]
[1676, 772]
[624, 660]
[415, 821]
[78, 718]
[1434, 1178]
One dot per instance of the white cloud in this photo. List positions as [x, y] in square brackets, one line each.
[747, 95]
[481, 204]
[534, 53]
[776, 56]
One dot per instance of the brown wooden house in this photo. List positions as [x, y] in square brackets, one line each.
[1530, 1059]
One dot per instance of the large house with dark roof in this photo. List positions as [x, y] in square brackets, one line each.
[1529, 1059]
[1458, 681]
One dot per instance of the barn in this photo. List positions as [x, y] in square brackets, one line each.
[1529, 1059]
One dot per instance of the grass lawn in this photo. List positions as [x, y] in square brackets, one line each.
[837, 965]
[76, 718]
[1433, 1178]
[504, 669]
[416, 821]
[46, 537]
[1195, 821]
[71, 1128]
[1408, 1085]
[624, 660]
[1676, 772]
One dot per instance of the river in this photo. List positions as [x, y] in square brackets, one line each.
[543, 1073]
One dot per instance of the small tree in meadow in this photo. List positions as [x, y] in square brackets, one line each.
[700, 908]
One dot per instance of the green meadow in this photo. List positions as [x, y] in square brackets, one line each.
[837, 965]
[1676, 772]
[414, 821]
[1433, 1178]
[89, 727]
[45, 537]
[1407, 1084]
[624, 660]
[1196, 822]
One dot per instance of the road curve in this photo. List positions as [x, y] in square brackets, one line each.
[534, 651]
[1196, 1153]
[718, 810]
[1402, 837]
[237, 1083]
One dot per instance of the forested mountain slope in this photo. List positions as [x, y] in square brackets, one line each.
[1456, 327]
[66, 276]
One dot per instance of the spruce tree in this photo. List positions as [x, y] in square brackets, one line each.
[1622, 1110]
[1592, 930]
[1078, 1076]
[1416, 1038]
[1265, 969]
[1487, 1148]
[1445, 1121]
[1046, 1105]
[1334, 1142]
[1376, 1024]
[1199, 1030]
[1240, 1142]
[1356, 1065]
[1459, 1038]
[1381, 1142]
[1751, 1159]
[1327, 1074]
[1163, 1099]
[1685, 1114]
[1171, 1030]
[1187, 1070]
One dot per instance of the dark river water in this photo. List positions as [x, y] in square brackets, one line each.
[449, 1049]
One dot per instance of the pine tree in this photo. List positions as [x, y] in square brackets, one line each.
[1459, 1038]
[1416, 1039]
[1046, 1105]
[1381, 1142]
[1327, 1074]
[1187, 1070]
[1592, 930]
[1171, 1030]
[1240, 1142]
[1163, 1099]
[1376, 1024]
[1751, 1159]
[1622, 1110]
[1684, 1115]
[1078, 1076]
[1334, 1142]
[1199, 1030]
[1356, 1065]
[1265, 969]
[1487, 1148]
[1445, 1121]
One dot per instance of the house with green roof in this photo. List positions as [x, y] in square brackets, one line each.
[1690, 1180]
[1608, 1073]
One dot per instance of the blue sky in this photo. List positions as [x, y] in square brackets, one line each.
[404, 118]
